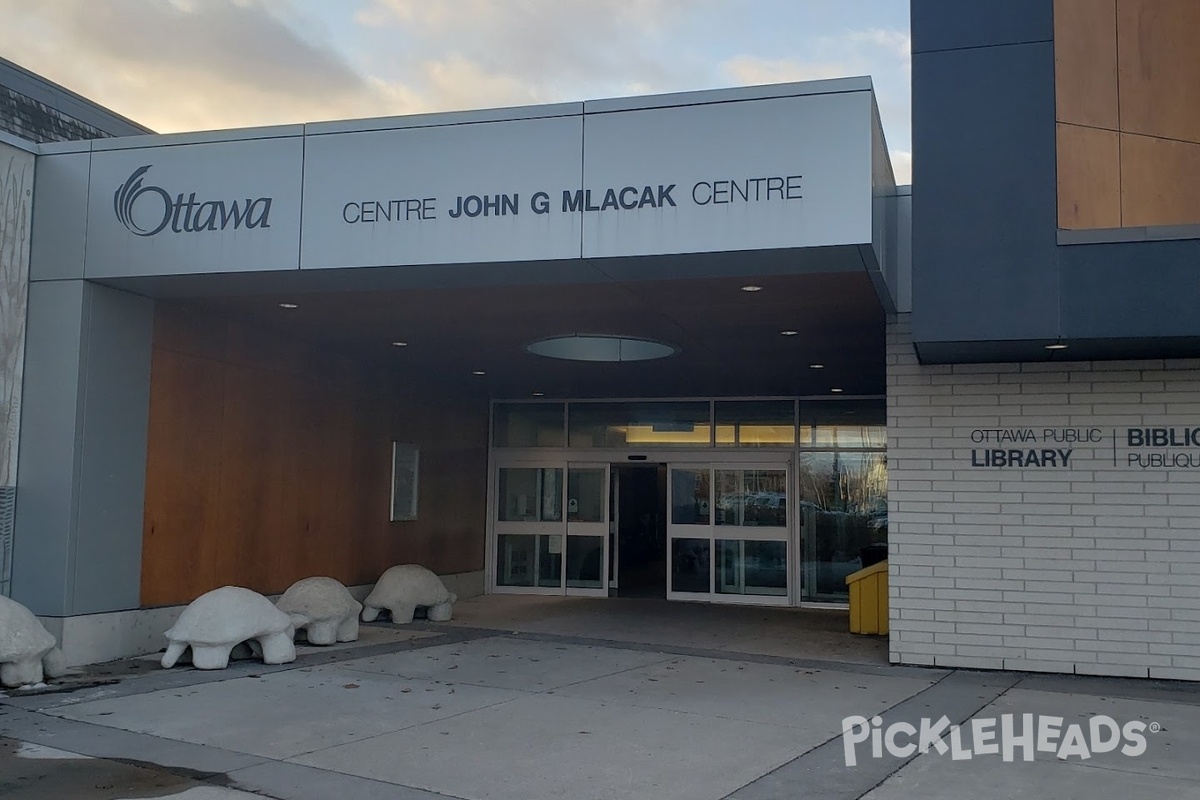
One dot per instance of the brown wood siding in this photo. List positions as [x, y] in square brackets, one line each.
[1127, 73]
[269, 461]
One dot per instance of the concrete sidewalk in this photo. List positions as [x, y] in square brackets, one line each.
[465, 711]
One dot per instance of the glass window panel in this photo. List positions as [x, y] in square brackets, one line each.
[690, 565]
[635, 424]
[585, 495]
[751, 567]
[529, 560]
[756, 423]
[690, 497]
[550, 561]
[530, 494]
[843, 423]
[528, 425]
[585, 559]
[515, 556]
[756, 497]
[843, 511]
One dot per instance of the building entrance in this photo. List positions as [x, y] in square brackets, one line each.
[639, 514]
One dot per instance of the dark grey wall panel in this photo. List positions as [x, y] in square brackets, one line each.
[984, 194]
[1134, 289]
[955, 24]
[59, 216]
[43, 545]
[117, 336]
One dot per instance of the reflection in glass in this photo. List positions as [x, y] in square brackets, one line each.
[585, 556]
[528, 560]
[690, 565]
[843, 423]
[756, 498]
[843, 509]
[756, 423]
[751, 567]
[690, 497]
[530, 494]
[528, 425]
[585, 495]
[640, 423]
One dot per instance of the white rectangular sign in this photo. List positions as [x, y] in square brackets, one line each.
[194, 208]
[443, 194]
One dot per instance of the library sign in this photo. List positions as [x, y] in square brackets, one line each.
[1145, 448]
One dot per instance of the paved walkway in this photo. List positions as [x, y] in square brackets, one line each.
[512, 702]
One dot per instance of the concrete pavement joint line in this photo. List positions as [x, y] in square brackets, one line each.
[48, 730]
[725, 655]
[821, 770]
[162, 680]
[1181, 692]
[390, 788]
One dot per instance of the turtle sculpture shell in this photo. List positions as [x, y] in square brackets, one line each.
[229, 614]
[22, 636]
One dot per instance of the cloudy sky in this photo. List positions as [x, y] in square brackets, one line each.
[178, 65]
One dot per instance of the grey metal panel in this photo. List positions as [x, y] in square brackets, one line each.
[957, 24]
[985, 196]
[43, 546]
[236, 174]
[60, 209]
[17, 142]
[57, 148]
[344, 172]
[900, 276]
[111, 476]
[769, 91]
[198, 137]
[444, 118]
[824, 139]
[1134, 289]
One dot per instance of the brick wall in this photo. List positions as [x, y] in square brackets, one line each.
[1092, 567]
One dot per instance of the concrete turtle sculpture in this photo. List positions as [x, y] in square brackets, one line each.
[405, 588]
[215, 622]
[28, 653]
[323, 608]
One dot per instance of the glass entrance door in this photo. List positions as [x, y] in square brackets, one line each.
[729, 533]
[551, 524]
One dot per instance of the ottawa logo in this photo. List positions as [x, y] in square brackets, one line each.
[147, 210]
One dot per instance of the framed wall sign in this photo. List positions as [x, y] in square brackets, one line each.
[405, 458]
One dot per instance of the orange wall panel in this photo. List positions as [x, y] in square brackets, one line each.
[1089, 178]
[1159, 181]
[270, 461]
[1085, 62]
[1159, 67]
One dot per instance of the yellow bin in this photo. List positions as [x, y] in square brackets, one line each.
[869, 599]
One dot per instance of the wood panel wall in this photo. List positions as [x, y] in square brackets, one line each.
[269, 460]
[1126, 77]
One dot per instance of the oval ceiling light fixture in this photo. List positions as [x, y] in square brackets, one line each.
[598, 347]
[478, 372]
[750, 287]
[788, 333]
[816, 366]
[1056, 346]
[399, 344]
[835, 390]
[288, 305]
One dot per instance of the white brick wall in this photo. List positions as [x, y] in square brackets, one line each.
[1093, 568]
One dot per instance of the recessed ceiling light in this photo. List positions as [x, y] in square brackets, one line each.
[750, 287]
[1056, 346]
[835, 390]
[478, 372]
[816, 366]
[538, 394]
[788, 333]
[288, 305]
[399, 344]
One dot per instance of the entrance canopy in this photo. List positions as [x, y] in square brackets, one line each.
[470, 235]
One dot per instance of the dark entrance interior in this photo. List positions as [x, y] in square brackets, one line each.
[640, 511]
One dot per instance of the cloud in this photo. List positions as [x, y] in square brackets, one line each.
[751, 71]
[188, 64]
[902, 166]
